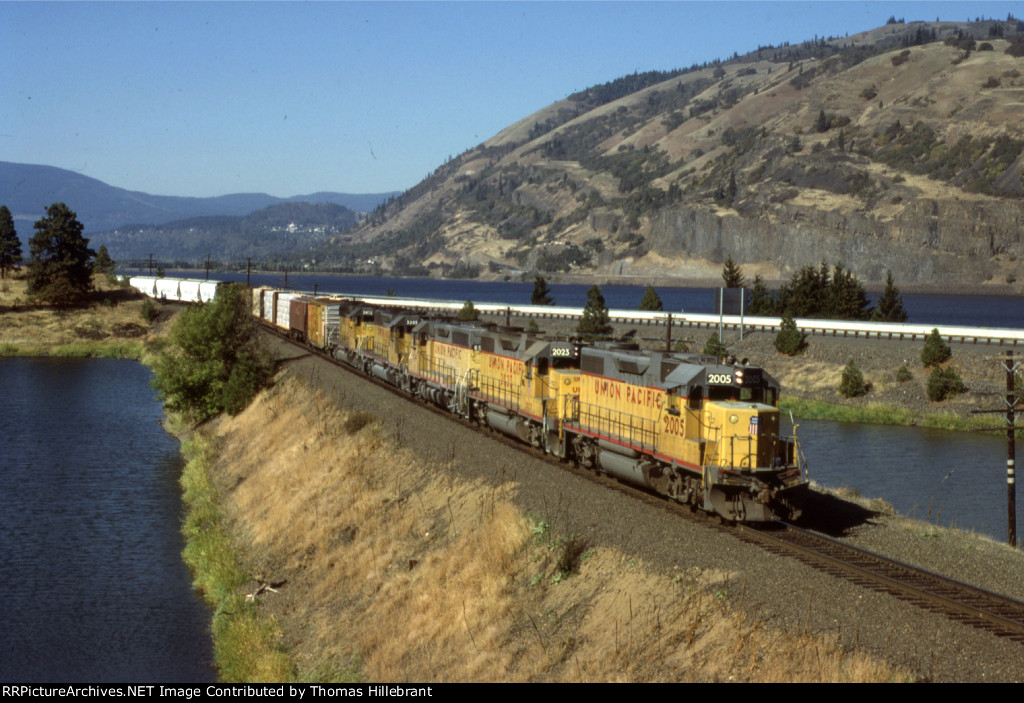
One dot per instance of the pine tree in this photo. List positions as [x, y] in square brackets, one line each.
[890, 305]
[541, 293]
[852, 383]
[10, 245]
[60, 263]
[651, 300]
[468, 313]
[935, 350]
[790, 340]
[714, 347]
[847, 299]
[594, 324]
[732, 274]
[103, 263]
[762, 302]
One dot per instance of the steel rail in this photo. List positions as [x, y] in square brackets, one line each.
[999, 614]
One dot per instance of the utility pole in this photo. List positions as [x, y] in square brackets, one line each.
[150, 264]
[207, 267]
[1011, 449]
[248, 268]
[1013, 406]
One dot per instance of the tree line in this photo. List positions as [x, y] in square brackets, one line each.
[823, 291]
[61, 265]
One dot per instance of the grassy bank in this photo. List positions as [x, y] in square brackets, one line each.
[397, 570]
[108, 325]
[246, 643]
[885, 414]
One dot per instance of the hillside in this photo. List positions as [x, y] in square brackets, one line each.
[896, 148]
[275, 232]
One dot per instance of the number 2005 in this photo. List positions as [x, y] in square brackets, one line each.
[719, 378]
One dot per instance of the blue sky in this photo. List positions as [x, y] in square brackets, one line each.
[203, 99]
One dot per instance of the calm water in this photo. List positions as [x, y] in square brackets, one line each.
[94, 588]
[948, 478]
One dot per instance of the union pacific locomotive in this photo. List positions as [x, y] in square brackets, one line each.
[692, 427]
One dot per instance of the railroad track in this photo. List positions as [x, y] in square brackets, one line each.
[976, 607]
[961, 602]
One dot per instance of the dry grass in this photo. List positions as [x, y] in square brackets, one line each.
[412, 574]
[111, 320]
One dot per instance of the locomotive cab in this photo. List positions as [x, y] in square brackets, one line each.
[754, 473]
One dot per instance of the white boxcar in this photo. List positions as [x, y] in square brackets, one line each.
[284, 306]
[188, 290]
[269, 308]
[144, 284]
[167, 289]
[208, 291]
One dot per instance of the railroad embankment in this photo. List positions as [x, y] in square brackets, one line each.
[395, 568]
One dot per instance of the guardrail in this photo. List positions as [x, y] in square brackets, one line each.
[834, 328]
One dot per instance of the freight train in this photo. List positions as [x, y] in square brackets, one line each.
[697, 429]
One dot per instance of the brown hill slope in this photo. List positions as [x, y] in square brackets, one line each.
[898, 148]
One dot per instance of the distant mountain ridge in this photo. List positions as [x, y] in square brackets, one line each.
[28, 189]
[278, 232]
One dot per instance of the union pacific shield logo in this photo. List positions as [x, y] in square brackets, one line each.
[755, 426]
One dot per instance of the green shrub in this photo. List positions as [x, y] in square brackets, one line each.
[149, 311]
[214, 361]
[852, 384]
[468, 312]
[935, 350]
[903, 374]
[944, 383]
[790, 340]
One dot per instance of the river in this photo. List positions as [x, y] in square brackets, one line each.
[94, 587]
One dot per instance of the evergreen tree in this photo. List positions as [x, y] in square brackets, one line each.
[852, 383]
[890, 305]
[10, 245]
[60, 263]
[541, 293]
[651, 300]
[468, 313]
[790, 340]
[944, 383]
[732, 274]
[103, 263]
[594, 324]
[732, 190]
[823, 123]
[935, 350]
[847, 299]
[714, 347]
[762, 302]
[804, 295]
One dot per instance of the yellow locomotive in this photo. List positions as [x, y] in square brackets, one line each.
[702, 432]
[691, 427]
